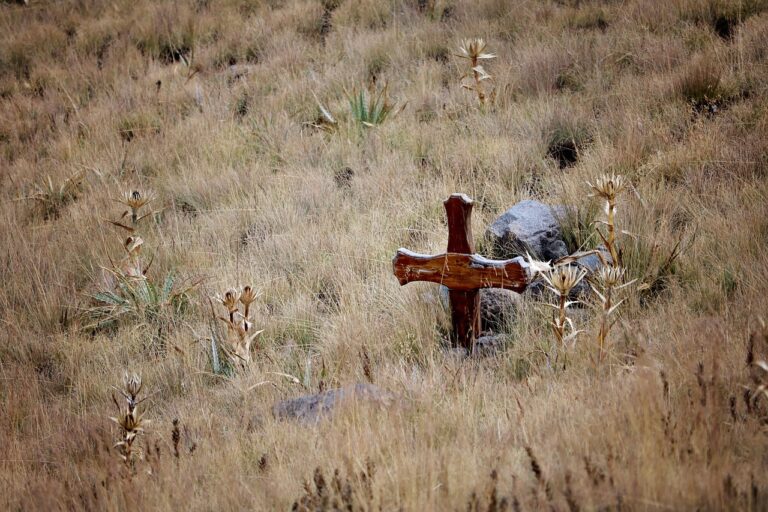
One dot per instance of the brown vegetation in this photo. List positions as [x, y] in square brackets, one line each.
[213, 104]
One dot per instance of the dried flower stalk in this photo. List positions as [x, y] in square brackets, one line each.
[606, 283]
[609, 187]
[473, 50]
[560, 281]
[130, 420]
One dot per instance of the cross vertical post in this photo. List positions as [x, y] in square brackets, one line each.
[465, 305]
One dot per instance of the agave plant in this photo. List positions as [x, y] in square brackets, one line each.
[138, 299]
[129, 294]
[370, 108]
[52, 197]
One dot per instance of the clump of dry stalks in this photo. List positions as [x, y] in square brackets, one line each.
[240, 333]
[473, 50]
[130, 420]
[610, 278]
[346, 491]
[562, 277]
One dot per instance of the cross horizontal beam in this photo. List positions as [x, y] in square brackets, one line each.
[461, 271]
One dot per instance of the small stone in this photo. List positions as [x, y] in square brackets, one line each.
[311, 408]
[489, 345]
[456, 354]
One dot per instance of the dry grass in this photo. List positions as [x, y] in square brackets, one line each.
[140, 95]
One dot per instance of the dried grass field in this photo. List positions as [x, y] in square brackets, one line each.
[246, 123]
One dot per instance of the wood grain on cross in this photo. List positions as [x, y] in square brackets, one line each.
[462, 272]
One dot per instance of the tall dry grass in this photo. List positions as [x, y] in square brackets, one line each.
[210, 103]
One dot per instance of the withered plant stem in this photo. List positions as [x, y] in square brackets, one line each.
[605, 323]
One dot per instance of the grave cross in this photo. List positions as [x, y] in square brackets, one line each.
[462, 272]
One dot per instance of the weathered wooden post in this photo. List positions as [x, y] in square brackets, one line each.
[462, 272]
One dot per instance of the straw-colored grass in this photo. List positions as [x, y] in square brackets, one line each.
[213, 105]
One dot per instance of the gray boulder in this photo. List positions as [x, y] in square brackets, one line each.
[311, 408]
[529, 226]
[497, 307]
[592, 263]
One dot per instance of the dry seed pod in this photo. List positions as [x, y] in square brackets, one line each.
[135, 200]
[608, 187]
[561, 280]
[247, 298]
[609, 277]
[132, 385]
[130, 420]
[474, 49]
[229, 301]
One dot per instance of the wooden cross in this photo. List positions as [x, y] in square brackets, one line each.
[462, 272]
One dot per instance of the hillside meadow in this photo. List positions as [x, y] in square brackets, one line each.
[233, 117]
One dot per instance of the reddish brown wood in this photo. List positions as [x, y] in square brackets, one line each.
[461, 271]
[458, 208]
[465, 304]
